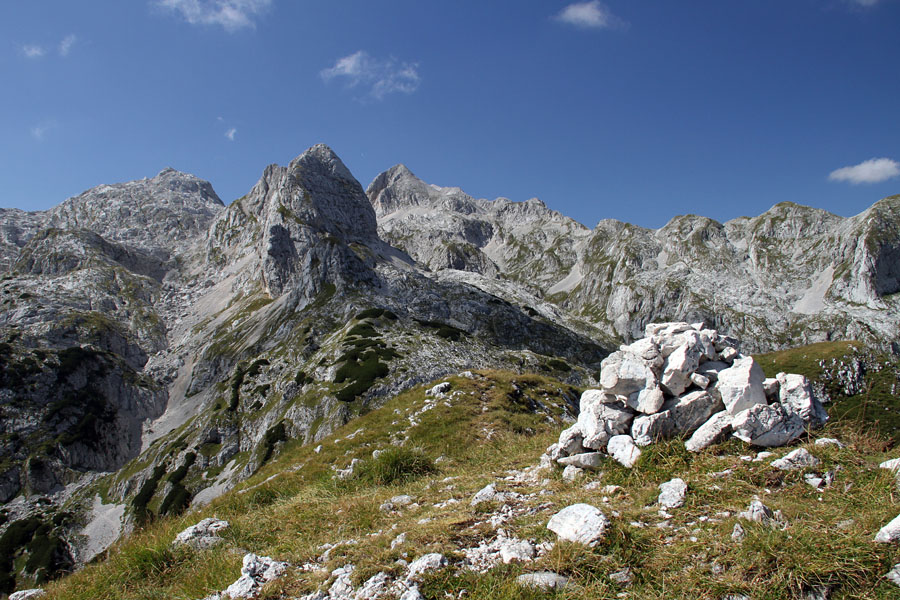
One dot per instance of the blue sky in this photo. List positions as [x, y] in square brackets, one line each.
[635, 110]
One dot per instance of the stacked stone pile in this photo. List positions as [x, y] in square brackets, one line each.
[683, 380]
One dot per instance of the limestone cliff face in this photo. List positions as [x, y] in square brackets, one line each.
[791, 275]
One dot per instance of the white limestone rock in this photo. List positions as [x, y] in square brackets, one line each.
[580, 523]
[889, 533]
[758, 513]
[672, 493]
[797, 459]
[204, 534]
[692, 410]
[623, 373]
[571, 473]
[651, 428]
[893, 576]
[767, 425]
[623, 449]
[570, 441]
[515, 550]
[716, 428]
[255, 572]
[543, 580]
[428, 562]
[832, 442]
[648, 400]
[585, 460]
[678, 368]
[599, 421]
[27, 594]
[796, 394]
[741, 385]
[342, 586]
[701, 381]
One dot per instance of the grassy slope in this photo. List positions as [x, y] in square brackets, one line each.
[293, 506]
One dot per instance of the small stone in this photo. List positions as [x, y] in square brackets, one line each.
[440, 389]
[622, 577]
[798, 459]
[829, 442]
[412, 593]
[571, 473]
[397, 541]
[672, 493]
[485, 494]
[585, 460]
[701, 381]
[580, 523]
[892, 465]
[758, 513]
[204, 534]
[737, 534]
[516, 550]
[27, 594]
[543, 580]
[893, 576]
[429, 562]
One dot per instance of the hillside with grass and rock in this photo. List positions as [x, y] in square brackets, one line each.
[392, 392]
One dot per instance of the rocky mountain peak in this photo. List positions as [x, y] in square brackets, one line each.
[161, 214]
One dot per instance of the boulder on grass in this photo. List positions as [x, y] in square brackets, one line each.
[767, 425]
[580, 523]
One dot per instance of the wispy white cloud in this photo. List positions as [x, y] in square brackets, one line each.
[65, 46]
[231, 15]
[33, 51]
[39, 131]
[379, 76]
[231, 133]
[874, 170]
[589, 15]
[865, 3]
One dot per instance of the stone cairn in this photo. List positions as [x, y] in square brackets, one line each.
[683, 380]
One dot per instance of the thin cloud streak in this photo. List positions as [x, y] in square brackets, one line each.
[379, 77]
[874, 170]
[33, 51]
[231, 133]
[231, 15]
[65, 46]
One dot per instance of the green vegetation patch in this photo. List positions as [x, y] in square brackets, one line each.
[443, 330]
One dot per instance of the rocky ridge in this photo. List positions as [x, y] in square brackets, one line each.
[792, 275]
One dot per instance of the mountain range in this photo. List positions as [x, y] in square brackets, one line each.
[157, 347]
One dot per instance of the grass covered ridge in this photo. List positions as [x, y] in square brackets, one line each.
[440, 451]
